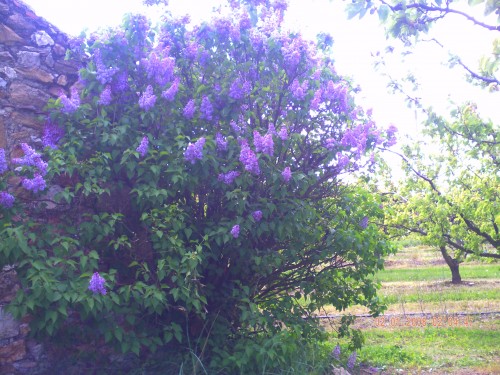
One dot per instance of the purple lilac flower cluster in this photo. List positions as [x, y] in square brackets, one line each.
[299, 91]
[286, 174]
[257, 215]
[3, 162]
[34, 184]
[316, 100]
[236, 128]
[121, 82]
[391, 136]
[221, 142]
[170, 93]
[235, 231]
[6, 199]
[96, 284]
[263, 144]
[249, 159]
[70, 105]
[189, 109]
[336, 352]
[147, 99]
[364, 222]
[194, 151]
[142, 149]
[52, 133]
[351, 361]
[105, 97]
[239, 89]
[206, 109]
[161, 69]
[228, 177]
[31, 158]
[330, 143]
[283, 133]
[104, 74]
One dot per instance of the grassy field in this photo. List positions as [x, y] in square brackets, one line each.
[432, 326]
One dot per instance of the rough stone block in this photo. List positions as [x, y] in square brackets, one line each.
[40, 75]
[41, 38]
[26, 118]
[24, 96]
[28, 59]
[12, 352]
[9, 327]
[8, 36]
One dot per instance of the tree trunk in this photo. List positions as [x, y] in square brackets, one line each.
[453, 264]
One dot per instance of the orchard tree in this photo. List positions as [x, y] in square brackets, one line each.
[450, 195]
[190, 194]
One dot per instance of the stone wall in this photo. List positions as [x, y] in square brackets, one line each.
[33, 69]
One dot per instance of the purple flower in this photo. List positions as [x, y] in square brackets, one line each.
[316, 100]
[194, 151]
[161, 69]
[235, 231]
[257, 215]
[299, 91]
[263, 144]
[336, 352]
[286, 174]
[31, 158]
[3, 162]
[52, 133]
[96, 284]
[105, 97]
[249, 160]
[147, 99]
[228, 177]
[104, 74]
[6, 199]
[271, 129]
[221, 142]
[330, 143]
[351, 361]
[391, 136]
[189, 109]
[364, 222]
[239, 89]
[35, 184]
[283, 134]
[142, 149]
[235, 126]
[170, 93]
[206, 109]
[121, 82]
[70, 105]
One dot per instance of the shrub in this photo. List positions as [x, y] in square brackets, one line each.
[198, 171]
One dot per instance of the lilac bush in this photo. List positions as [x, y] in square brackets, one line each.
[238, 212]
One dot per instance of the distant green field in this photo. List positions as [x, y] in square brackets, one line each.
[446, 295]
[486, 271]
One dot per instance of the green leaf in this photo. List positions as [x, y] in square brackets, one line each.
[383, 12]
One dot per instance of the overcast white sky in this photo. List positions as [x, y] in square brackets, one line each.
[354, 43]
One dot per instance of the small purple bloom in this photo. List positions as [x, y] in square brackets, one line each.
[263, 144]
[206, 109]
[194, 151]
[142, 149]
[316, 100]
[286, 174]
[239, 89]
[330, 143]
[228, 177]
[271, 129]
[104, 74]
[3, 162]
[221, 142]
[96, 284]
[283, 134]
[35, 184]
[189, 109]
[52, 133]
[235, 126]
[364, 222]
[391, 136]
[170, 93]
[235, 231]
[336, 352]
[351, 361]
[257, 215]
[31, 158]
[299, 91]
[147, 99]
[105, 97]
[249, 160]
[70, 105]
[6, 199]
[121, 82]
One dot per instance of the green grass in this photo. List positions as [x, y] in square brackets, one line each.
[444, 295]
[490, 271]
[419, 348]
